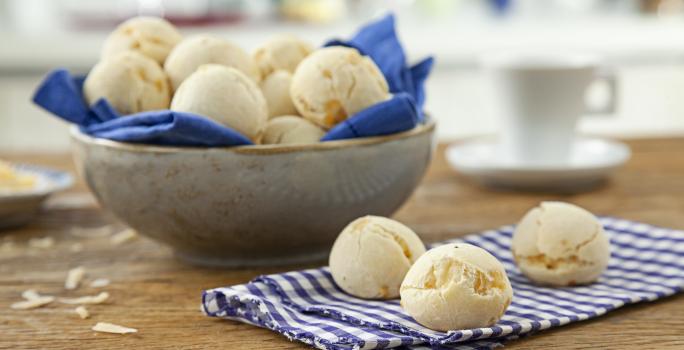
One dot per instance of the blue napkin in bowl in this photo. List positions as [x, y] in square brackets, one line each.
[389, 117]
[61, 94]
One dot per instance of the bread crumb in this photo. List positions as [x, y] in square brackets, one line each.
[7, 246]
[30, 294]
[76, 247]
[32, 303]
[41, 243]
[74, 278]
[85, 232]
[88, 299]
[82, 312]
[99, 283]
[123, 236]
[112, 328]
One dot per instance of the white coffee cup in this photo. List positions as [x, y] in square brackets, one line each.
[539, 98]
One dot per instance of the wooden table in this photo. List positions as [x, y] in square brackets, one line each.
[160, 296]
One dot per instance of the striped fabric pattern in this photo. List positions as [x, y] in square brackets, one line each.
[647, 263]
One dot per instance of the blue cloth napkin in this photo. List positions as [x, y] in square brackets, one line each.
[388, 117]
[61, 94]
[647, 263]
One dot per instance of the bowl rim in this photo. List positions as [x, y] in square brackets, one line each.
[422, 128]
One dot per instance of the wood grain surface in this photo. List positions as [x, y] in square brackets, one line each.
[158, 295]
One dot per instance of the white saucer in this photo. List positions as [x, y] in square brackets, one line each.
[20, 206]
[591, 161]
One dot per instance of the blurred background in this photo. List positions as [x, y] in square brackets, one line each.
[641, 39]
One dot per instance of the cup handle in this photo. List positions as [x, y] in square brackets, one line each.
[609, 76]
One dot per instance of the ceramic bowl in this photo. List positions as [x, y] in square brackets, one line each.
[253, 205]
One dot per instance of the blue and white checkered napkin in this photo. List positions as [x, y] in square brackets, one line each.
[647, 263]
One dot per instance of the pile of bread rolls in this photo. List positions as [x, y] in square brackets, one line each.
[285, 92]
[458, 285]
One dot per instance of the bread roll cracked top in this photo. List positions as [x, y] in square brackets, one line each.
[456, 286]
[225, 95]
[151, 36]
[370, 257]
[131, 83]
[334, 83]
[560, 244]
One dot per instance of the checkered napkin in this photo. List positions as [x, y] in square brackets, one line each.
[647, 263]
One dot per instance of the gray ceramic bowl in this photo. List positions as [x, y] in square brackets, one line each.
[253, 205]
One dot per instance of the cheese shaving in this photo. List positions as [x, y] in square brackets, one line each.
[76, 247]
[85, 232]
[82, 312]
[32, 303]
[30, 294]
[7, 246]
[123, 236]
[89, 299]
[74, 278]
[112, 328]
[41, 243]
[99, 283]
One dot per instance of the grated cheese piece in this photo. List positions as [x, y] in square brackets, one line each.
[41, 243]
[74, 278]
[89, 299]
[99, 283]
[30, 294]
[85, 232]
[82, 312]
[76, 247]
[124, 236]
[32, 303]
[112, 328]
[7, 246]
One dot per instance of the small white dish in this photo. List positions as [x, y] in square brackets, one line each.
[18, 207]
[590, 162]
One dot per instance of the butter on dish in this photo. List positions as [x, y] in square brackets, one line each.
[10, 179]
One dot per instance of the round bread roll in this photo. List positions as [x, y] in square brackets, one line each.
[456, 286]
[195, 51]
[334, 83]
[151, 36]
[276, 90]
[370, 257]
[283, 52]
[130, 82]
[225, 95]
[290, 129]
[560, 244]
